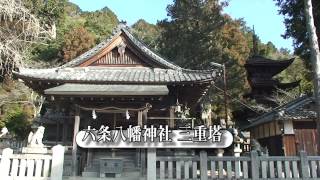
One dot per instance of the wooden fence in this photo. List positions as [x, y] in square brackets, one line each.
[253, 167]
[32, 166]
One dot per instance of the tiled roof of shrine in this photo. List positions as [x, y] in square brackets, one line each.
[125, 75]
[121, 28]
[299, 109]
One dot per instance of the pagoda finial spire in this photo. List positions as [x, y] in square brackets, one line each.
[255, 47]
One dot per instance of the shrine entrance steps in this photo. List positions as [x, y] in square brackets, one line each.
[127, 160]
[125, 176]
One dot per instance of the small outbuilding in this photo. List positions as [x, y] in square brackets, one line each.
[287, 129]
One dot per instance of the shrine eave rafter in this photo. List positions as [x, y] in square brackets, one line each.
[108, 90]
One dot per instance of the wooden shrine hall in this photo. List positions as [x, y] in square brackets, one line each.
[119, 82]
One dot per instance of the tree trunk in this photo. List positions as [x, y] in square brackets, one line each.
[315, 58]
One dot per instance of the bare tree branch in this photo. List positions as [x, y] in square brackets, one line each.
[19, 29]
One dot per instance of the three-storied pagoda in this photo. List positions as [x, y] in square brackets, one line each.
[121, 82]
[260, 75]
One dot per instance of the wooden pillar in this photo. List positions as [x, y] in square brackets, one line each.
[138, 151]
[65, 130]
[171, 121]
[140, 121]
[144, 115]
[57, 130]
[114, 120]
[143, 162]
[171, 117]
[113, 151]
[89, 158]
[74, 144]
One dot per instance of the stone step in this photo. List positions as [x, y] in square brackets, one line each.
[116, 156]
[90, 174]
[124, 176]
[125, 166]
[131, 172]
[124, 159]
[115, 153]
[125, 169]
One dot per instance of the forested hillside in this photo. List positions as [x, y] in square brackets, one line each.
[196, 34]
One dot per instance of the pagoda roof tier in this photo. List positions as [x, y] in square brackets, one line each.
[257, 83]
[117, 75]
[260, 60]
[256, 63]
[273, 83]
[289, 85]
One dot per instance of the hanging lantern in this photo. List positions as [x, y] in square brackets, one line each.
[187, 111]
[183, 116]
[177, 107]
[94, 115]
[127, 115]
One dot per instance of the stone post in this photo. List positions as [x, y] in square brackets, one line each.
[152, 164]
[304, 165]
[203, 165]
[254, 165]
[237, 151]
[57, 162]
[5, 162]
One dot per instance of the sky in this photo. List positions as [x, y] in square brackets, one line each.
[262, 14]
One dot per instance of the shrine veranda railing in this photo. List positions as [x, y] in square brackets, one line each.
[255, 167]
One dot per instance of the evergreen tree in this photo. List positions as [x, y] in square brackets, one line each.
[197, 34]
[295, 22]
